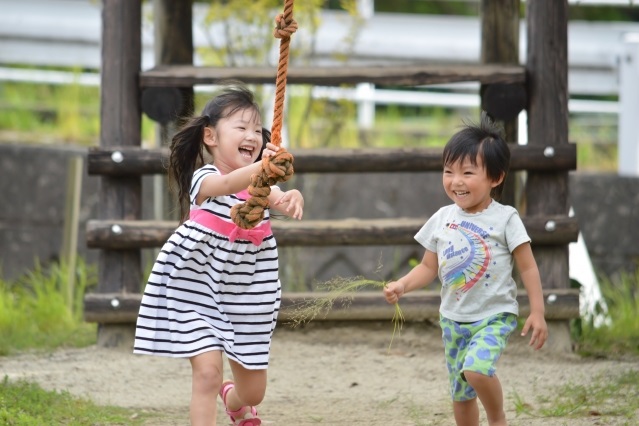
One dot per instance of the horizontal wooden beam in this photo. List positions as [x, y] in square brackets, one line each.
[126, 161]
[121, 234]
[561, 304]
[405, 75]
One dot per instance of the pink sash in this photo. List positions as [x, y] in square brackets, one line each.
[231, 230]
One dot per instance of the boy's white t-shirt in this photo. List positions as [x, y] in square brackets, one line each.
[474, 252]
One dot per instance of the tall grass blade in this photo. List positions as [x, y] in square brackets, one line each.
[341, 290]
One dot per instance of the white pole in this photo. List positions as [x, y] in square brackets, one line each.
[366, 8]
[365, 91]
[629, 106]
[365, 106]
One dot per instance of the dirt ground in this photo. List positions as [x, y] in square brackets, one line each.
[325, 374]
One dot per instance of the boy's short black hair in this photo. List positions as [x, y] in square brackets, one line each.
[483, 139]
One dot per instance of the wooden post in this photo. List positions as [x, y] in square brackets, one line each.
[547, 64]
[173, 45]
[120, 122]
[547, 192]
[71, 224]
[500, 45]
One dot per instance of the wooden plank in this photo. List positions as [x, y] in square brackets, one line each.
[550, 230]
[561, 304]
[122, 161]
[408, 75]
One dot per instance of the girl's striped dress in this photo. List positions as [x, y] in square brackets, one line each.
[212, 287]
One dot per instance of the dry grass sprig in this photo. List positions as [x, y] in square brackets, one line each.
[340, 290]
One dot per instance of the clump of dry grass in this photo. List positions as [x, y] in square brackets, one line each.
[340, 290]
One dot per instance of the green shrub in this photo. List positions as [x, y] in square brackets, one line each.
[619, 335]
[35, 312]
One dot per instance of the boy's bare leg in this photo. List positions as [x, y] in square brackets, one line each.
[466, 412]
[491, 396]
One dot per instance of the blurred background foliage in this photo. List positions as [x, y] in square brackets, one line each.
[69, 114]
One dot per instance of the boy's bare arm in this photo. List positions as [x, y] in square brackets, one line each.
[418, 277]
[529, 273]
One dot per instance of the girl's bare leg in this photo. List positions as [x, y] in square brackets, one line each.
[206, 383]
[466, 412]
[491, 396]
[250, 387]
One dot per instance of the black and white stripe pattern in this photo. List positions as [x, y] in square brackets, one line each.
[206, 293]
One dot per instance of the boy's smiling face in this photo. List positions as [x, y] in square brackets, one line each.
[468, 185]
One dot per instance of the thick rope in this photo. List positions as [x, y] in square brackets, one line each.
[278, 168]
[285, 26]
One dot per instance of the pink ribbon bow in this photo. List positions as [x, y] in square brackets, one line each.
[256, 236]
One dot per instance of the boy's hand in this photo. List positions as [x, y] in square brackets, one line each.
[393, 291]
[539, 336]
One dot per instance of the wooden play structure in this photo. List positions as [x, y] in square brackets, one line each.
[540, 86]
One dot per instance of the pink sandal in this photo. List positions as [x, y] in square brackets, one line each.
[248, 414]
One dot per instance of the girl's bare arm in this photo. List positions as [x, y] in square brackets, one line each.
[290, 203]
[234, 182]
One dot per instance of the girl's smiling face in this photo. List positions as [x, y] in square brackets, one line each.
[236, 140]
[468, 185]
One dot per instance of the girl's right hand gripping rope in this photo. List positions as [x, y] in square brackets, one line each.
[277, 168]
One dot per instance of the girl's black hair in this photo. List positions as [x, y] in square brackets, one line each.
[485, 140]
[266, 138]
[187, 145]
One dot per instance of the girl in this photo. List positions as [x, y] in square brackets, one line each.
[471, 245]
[214, 287]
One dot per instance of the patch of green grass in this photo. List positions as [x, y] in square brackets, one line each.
[620, 335]
[604, 397]
[35, 312]
[27, 404]
[419, 414]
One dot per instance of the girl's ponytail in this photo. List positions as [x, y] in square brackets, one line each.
[186, 156]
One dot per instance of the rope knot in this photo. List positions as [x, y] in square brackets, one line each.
[278, 168]
[284, 29]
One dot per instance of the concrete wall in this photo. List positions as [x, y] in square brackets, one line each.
[607, 208]
[32, 206]
[33, 182]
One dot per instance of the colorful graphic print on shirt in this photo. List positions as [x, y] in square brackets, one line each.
[467, 257]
